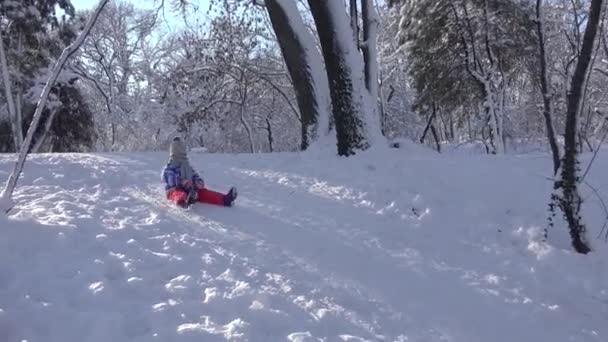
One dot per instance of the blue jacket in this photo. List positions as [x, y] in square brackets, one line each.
[172, 176]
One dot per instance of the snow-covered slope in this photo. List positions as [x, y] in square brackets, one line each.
[394, 246]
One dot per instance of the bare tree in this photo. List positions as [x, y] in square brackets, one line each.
[544, 84]
[6, 196]
[566, 195]
[109, 61]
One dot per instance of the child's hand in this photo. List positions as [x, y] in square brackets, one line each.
[187, 185]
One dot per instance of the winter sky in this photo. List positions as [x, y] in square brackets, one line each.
[88, 4]
[173, 20]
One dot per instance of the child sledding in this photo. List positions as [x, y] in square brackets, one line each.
[184, 186]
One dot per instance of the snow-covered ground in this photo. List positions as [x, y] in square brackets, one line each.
[402, 245]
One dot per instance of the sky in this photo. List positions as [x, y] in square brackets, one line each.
[88, 4]
[170, 19]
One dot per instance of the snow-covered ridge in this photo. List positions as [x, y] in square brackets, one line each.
[399, 246]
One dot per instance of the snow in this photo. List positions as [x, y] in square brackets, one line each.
[5, 205]
[403, 245]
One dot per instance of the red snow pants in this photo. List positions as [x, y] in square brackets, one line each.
[204, 196]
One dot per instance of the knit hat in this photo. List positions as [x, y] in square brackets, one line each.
[177, 150]
[178, 157]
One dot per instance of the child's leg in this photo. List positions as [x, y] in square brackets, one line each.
[210, 196]
[177, 196]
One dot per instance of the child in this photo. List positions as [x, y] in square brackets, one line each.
[184, 186]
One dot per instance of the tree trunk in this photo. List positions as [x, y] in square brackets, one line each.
[305, 67]
[434, 132]
[19, 116]
[547, 109]
[355, 119]
[381, 103]
[452, 133]
[370, 47]
[112, 136]
[270, 138]
[18, 100]
[570, 200]
[354, 20]
[602, 121]
[8, 89]
[47, 128]
[469, 129]
[429, 123]
[7, 193]
[244, 94]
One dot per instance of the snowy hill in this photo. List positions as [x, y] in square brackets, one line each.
[404, 246]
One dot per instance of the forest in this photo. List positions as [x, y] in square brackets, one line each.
[250, 77]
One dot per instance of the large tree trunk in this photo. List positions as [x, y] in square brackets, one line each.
[7, 193]
[570, 201]
[355, 118]
[305, 67]
[547, 110]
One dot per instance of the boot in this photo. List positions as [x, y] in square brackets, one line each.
[230, 197]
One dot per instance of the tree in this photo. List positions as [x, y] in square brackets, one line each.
[30, 35]
[305, 65]
[469, 52]
[369, 47]
[226, 79]
[544, 85]
[566, 195]
[6, 196]
[355, 114]
[72, 130]
[354, 110]
[111, 63]
[398, 118]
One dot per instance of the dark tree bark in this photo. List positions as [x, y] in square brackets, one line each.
[367, 36]
[354, 19]
[349, 126]
[570, 200]
[547, 111]
[270, 138]
[429, 125]
[434, 132]
[294, 55]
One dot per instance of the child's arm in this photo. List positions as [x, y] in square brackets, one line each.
[171, 178]
[197, 180]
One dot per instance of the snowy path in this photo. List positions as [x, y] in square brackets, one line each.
[300, 258]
